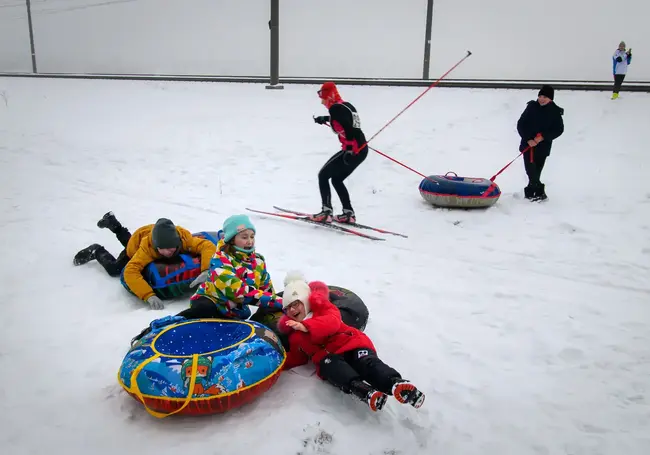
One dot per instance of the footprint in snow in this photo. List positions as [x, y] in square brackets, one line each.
[319, 442]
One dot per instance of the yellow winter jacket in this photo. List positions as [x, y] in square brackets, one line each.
[141, 253]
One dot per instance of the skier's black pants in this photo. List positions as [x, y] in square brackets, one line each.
[201, 308]
[338, 168]
[534, 171]
[358, 364]
[114, 266]
[618, 82]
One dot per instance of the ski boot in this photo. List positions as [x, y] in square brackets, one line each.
[324, 216]
[87, 254]
[373, 398]
[346, 217]
[405, 392]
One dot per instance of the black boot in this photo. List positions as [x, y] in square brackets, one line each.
[109, 221]
[373, 398]
[87, 254]
[528, 192]
[540, 194]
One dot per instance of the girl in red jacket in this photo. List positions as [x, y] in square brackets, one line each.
[344, 356]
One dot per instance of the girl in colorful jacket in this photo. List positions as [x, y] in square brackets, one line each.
[237, 277]
[343, 356]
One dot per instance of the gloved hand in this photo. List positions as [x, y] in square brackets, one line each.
[203, 276]
[321, 120]
[619, 59]
[155, 303]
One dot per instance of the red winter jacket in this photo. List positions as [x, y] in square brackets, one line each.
[326, 332]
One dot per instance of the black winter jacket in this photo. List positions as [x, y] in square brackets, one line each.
[544, 120]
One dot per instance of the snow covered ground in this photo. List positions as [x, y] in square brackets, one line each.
[527, 325]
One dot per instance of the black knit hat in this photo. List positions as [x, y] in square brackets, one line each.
[164, 235]
[547, 91]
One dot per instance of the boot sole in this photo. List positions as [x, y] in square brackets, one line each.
[413, 396]
[377, 401]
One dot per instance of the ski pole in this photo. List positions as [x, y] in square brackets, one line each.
[420, 96]
[404, 110]
[395, 161]
[493, 178]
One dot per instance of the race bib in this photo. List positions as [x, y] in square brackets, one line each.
[356, 121]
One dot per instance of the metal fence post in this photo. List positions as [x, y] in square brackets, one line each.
[31, 35]
[427, 41]
[274, 26]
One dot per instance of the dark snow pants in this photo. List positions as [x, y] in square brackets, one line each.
[338, 168]
[358, 364]
[201, 308]
[618, 82]
[534, 167]
[114, 266]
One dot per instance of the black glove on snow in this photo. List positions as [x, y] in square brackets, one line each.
[321, 120]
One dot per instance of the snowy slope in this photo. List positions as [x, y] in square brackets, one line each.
[527, 325]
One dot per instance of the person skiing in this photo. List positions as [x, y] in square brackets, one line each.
[343, 355]
[620, 61]
[147, 244]
[344, 121]
[539, 125]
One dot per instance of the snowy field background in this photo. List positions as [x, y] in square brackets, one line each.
[527, 325]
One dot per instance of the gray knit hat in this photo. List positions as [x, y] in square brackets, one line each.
[164, 235]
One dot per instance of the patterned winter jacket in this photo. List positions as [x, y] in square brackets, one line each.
[237, 280]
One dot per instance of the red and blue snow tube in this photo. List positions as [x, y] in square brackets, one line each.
[170, 278]
[452, 191]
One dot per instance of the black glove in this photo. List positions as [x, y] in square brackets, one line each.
[348, 153]
[619, 59]
[321, 120]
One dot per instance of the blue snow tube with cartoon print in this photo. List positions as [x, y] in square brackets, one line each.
[201, 366]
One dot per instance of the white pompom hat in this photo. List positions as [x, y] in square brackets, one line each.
[296, 288]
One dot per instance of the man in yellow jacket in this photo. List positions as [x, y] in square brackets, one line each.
[145, 245]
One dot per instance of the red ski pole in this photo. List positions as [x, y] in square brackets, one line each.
[398, 162]
[493, 178]
[420, 96]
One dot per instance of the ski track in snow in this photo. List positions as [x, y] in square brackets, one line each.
[526, 325]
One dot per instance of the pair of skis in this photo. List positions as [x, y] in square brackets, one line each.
[342, 227]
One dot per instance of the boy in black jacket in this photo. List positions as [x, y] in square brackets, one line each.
[539, 124]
